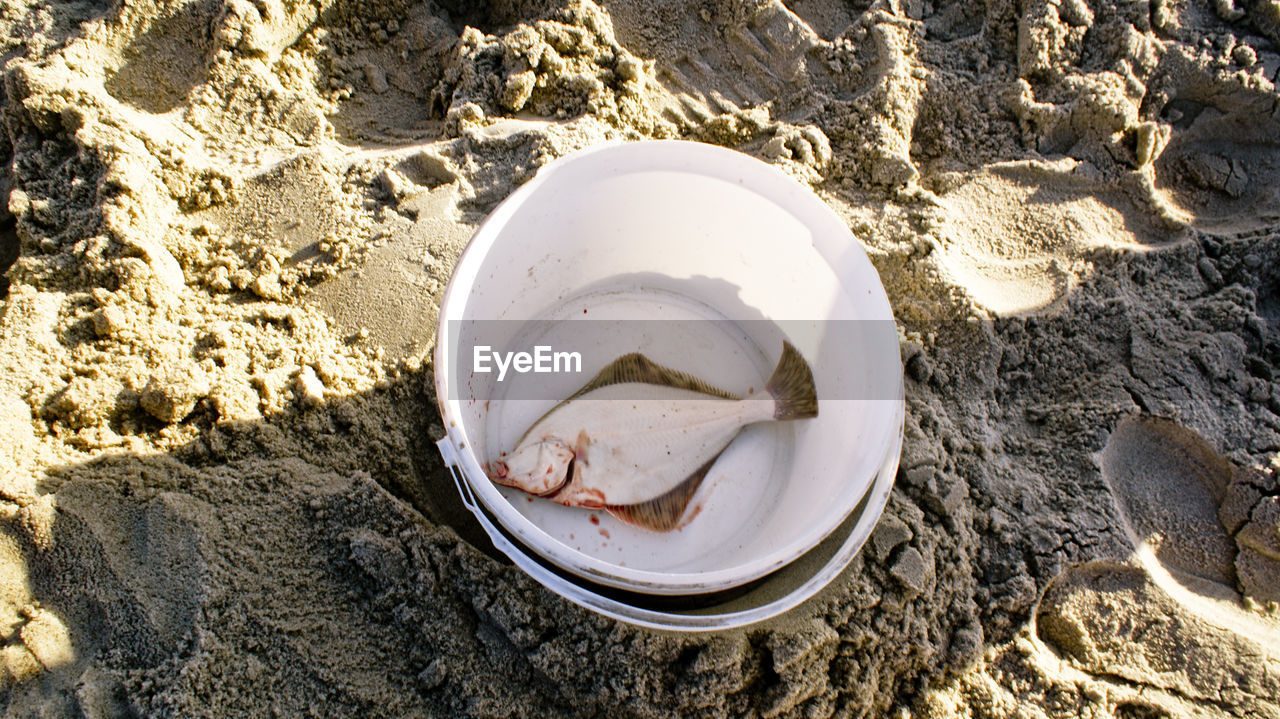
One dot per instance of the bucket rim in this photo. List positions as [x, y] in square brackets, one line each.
[466, 272]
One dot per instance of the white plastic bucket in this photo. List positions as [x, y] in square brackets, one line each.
[733, 256]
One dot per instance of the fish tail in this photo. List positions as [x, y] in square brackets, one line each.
[791, 386]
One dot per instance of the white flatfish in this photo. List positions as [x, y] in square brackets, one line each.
[638, 439]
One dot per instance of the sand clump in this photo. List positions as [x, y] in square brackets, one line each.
[229, 225]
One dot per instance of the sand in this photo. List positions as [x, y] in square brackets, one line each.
[230, 222]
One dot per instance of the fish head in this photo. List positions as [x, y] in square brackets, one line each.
[541, 467]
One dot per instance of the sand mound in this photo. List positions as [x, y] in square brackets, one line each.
[229, 223]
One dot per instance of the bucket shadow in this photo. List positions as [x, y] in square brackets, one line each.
[122, 565]
[286, 546]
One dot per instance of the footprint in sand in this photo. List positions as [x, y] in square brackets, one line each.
[1168, 483]
[1201, 516]
[1169, 623]
[1016, 236]
[1223, 146]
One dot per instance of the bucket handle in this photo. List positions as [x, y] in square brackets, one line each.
[450, 457]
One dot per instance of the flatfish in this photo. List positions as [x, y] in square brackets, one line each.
[638, 439]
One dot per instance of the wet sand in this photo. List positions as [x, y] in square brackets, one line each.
[232, 222]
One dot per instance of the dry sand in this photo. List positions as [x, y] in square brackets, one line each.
[218, 491]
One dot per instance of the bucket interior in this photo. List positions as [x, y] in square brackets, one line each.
[736, 257]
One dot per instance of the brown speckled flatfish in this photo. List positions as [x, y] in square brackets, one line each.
[638, 439]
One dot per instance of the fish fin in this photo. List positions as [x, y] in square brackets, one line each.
[635, 367]
[662, 513]
[792, 386]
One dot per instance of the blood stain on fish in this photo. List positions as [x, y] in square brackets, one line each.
[604, 533]
[595, 519]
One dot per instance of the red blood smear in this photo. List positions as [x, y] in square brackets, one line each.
[697, 508]
[486, 405]
[751, 390]
[604, 533]
[595, 519]
[584, 310]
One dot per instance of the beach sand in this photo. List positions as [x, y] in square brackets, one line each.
[232, 221]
